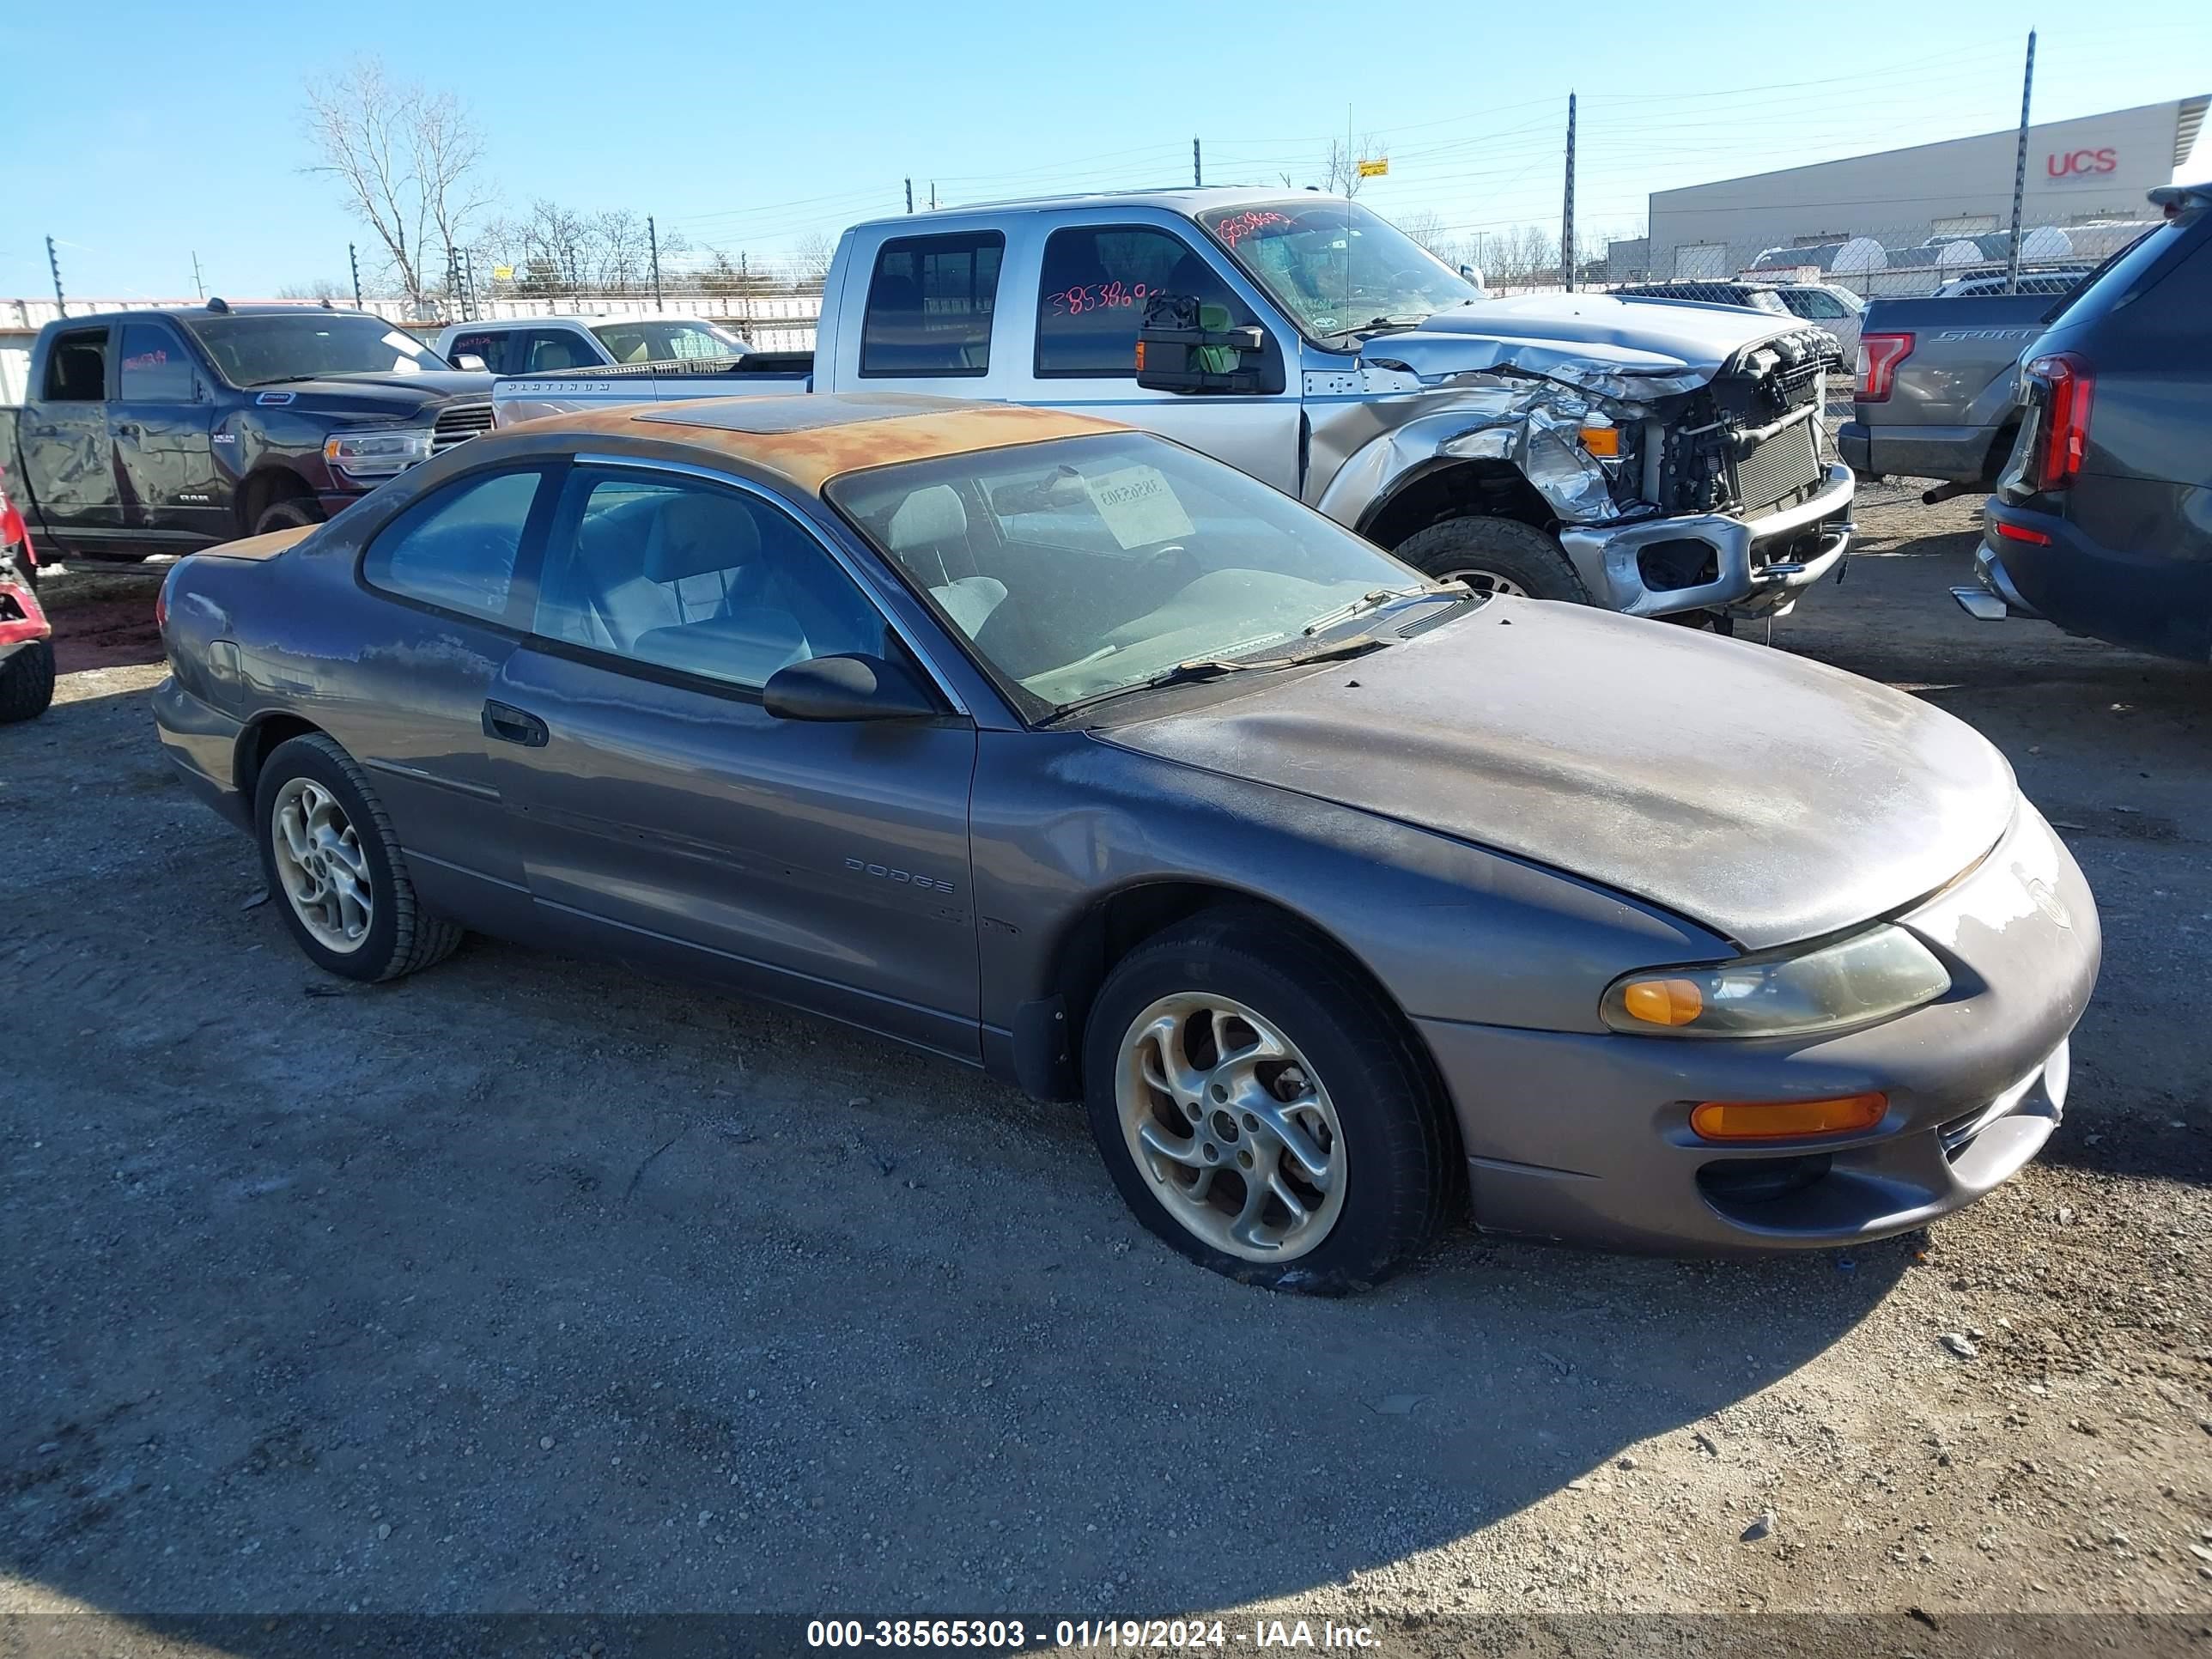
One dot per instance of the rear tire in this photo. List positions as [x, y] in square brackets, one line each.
[1495, 556]
[329, 852]
[293, 512]
[27, 682]
[1235, 1050]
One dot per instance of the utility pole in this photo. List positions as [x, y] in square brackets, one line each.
[653, 240]
[354, 260]
[1567, 213]
[1197, 175]
[469, 282]
[2020, 168]
[199, 287]
[54, 265]
[910, 195]
[933, 196]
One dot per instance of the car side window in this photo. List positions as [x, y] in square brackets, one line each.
[154, 368]
[547, 350]
[457, 548]
[490, 345]
[682, 574]
[1092, 290]
[76, 368]
[930, 305]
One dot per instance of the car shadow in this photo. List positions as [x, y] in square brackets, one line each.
[621, 1295]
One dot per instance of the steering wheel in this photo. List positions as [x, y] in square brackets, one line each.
[1175, 562]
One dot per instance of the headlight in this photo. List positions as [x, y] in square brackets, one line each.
[1852, 982]
[377, 454]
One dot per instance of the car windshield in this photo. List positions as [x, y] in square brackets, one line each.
[262, 350]
[1083, 567]
[667, 342]
[1334, 266]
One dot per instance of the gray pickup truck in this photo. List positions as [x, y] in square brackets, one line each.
[1659, 458]
[1935, 397]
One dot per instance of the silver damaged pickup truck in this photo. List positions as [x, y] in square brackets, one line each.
[1658, 459]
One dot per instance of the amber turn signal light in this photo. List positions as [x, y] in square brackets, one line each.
[1663, 1001]
[1787, 1120]
[1603, 441]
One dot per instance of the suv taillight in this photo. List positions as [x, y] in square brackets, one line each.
[2063, 386]
[1878, 356]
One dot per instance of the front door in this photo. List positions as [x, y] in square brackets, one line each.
[664, 816]
[67, 452]
[165, 474]
[1091, 291]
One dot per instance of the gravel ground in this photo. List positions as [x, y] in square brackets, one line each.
[531, 1285]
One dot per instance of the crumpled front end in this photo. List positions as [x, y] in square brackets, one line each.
[1677, 482]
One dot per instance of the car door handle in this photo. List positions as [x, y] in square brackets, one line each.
[512, 724]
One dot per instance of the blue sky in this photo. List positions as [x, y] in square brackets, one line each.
[748, 127]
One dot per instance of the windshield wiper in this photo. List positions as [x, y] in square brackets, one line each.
[1367, 602]
[1380, 326]
[1209, 668]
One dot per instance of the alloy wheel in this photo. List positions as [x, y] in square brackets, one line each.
[321, 867]
[1232, 1128]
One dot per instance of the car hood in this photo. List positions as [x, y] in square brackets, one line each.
[386, 394]
[1769, 799]
[1617, 348]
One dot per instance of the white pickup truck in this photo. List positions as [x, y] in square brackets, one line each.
[1659, 458]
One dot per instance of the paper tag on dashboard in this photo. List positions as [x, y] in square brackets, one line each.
[1138, 504]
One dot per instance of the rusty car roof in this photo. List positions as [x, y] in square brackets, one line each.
[809, 439]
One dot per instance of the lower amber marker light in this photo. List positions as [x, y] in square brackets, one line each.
[1787, 1120]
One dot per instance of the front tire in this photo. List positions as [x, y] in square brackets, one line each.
[293, 512]
[27, 682]
[328, 850]
[1495, 556]
[1261, 1110]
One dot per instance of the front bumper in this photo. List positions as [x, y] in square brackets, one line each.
[1586, 1137]
[1751, 580]
[22, 620]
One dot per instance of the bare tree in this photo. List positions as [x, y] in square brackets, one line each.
[1340, 172]
[322, 290]
[1426, 226]
[405, 159]
[813, 255]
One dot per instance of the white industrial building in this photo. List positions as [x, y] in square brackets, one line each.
[1902, 209]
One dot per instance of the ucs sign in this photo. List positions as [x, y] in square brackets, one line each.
[2077, 162]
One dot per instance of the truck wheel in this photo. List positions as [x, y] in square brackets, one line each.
[1495, 556]
[27, 682]
[1259, 1110]
[290, 514]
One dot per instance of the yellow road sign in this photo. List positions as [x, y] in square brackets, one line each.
[1375, 169]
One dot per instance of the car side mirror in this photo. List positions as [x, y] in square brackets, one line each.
[848, 688]
[470, 361]
[1184, 344]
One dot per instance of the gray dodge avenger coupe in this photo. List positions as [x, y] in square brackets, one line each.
[1337, 895]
